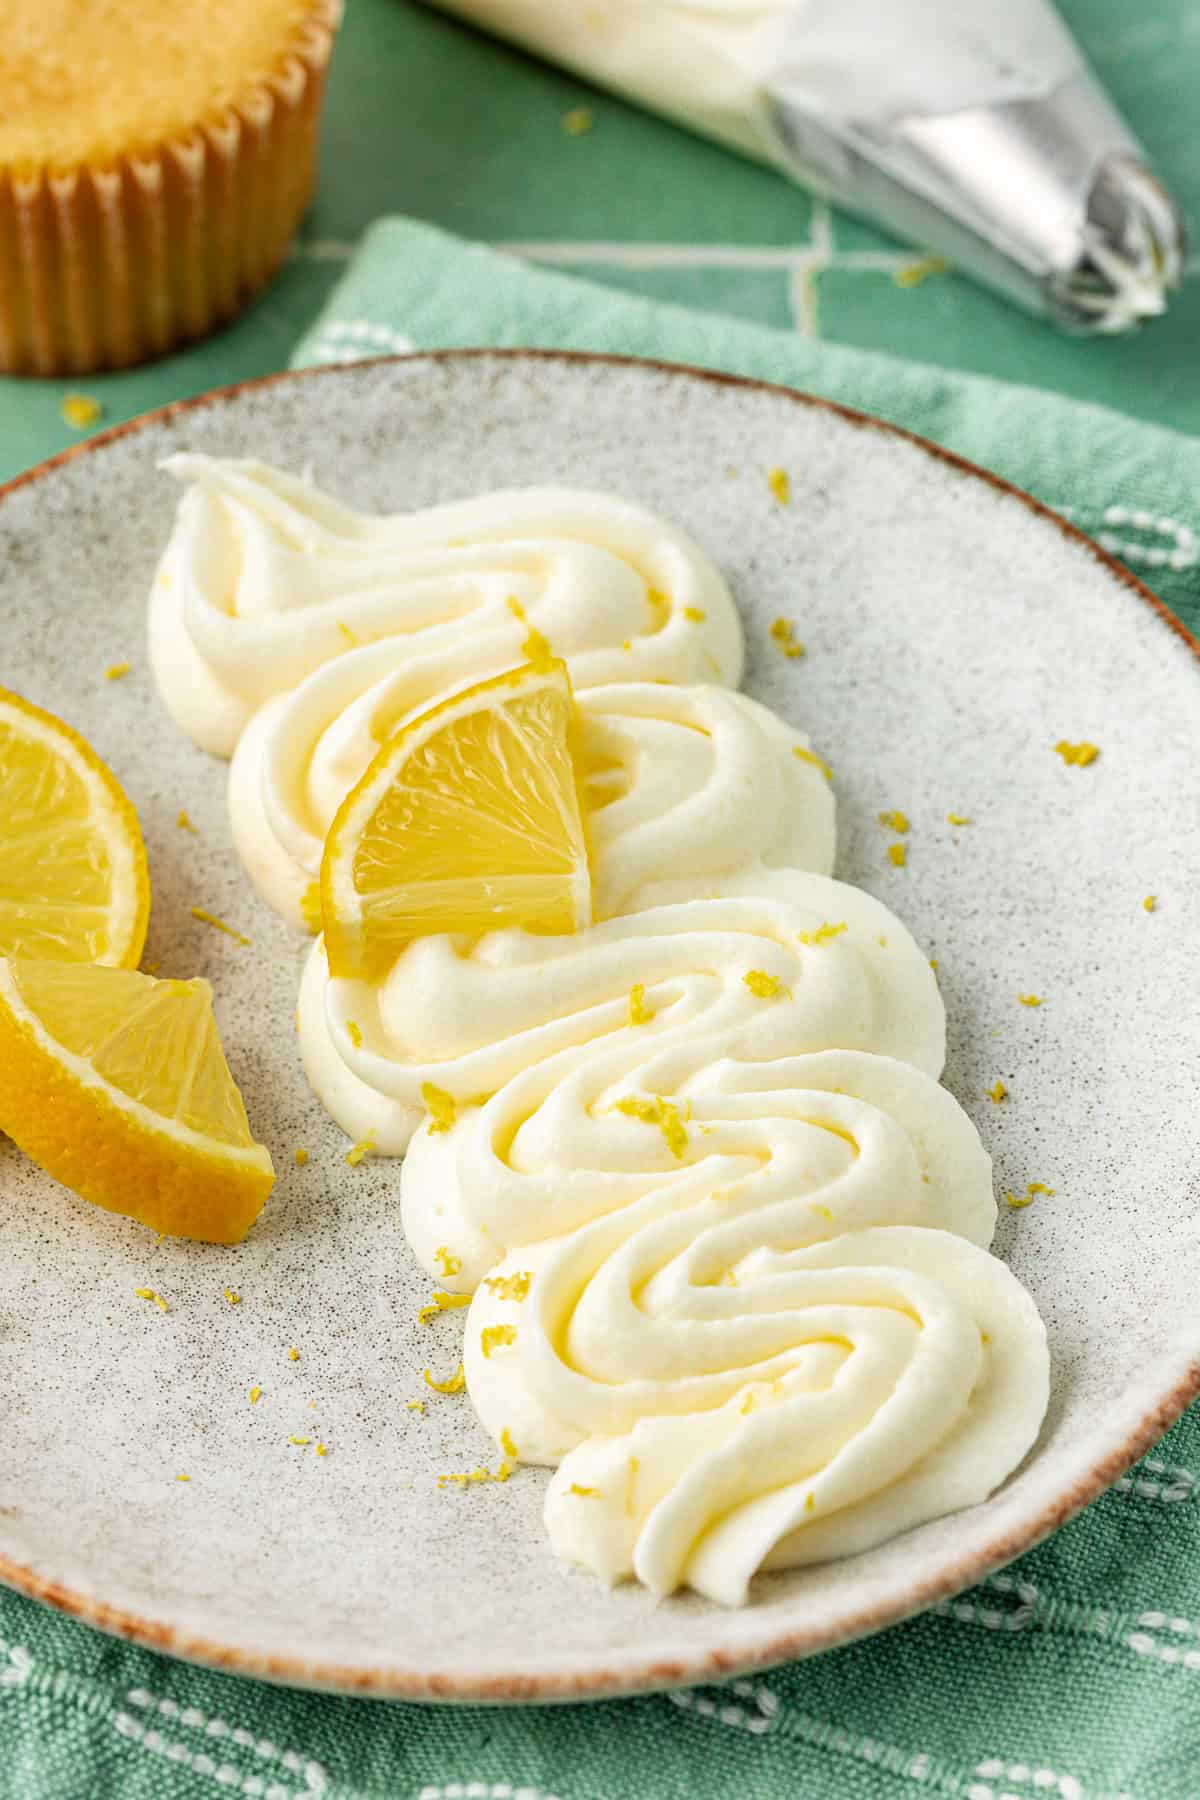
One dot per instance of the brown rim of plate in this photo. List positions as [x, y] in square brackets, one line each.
[600, 1683]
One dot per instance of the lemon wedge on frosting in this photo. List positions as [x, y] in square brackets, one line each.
[468, 820]
[73, 885]
[116, 1084]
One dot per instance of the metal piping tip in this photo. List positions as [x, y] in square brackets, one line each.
[1133, 246]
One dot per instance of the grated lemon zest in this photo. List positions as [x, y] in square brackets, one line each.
[824, 934]
[695, 613]
[294, 1354]
[515, 608]
[913, 274]
[348, 635]
[310, 906]
[660, 1112]
[537, 652]
[1018, 1201]
[363, 1148]
[780, 485]
[494, 1337]
[417, 1406]
[183, 1478]
[80, 411]
[442, 1303]
[507, 1445]
[657, 598]
[440, 1106]
[895, 821]
[1030, 999]
[509, 1287]
[149, 1294]
[115, 671]
[450, 1264]
[958, 819]
[933, 962]
[1079, 755]
[233, 1297]
[453, 1385]
[183, 822]
[639, 1012]
[810, 756]
[255, 1395]
[584, 1493]
[1150, 902]
[578, 121]
[321, 1450]
[207, 918]
[783, 634]
[998, 1093]
[897, 855]
[764, 986]
[301, 1443]
[301, 1158]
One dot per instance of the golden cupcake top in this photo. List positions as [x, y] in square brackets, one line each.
[91, 81]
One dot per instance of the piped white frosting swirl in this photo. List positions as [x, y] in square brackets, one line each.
[723, 1228]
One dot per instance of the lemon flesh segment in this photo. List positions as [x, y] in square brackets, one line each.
[116, 1084]
[73, 879]
[468, 820]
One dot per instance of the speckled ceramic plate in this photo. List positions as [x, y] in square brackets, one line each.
[955, 631]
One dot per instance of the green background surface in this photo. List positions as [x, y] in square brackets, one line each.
[1076, 1675]
[430, 119]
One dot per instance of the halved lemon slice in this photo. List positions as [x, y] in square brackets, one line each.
[468, 820]
[73, 881]
[116, 1084]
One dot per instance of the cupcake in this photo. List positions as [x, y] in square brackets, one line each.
[155, 159]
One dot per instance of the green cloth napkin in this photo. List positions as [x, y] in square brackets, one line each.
[1076, 1674]
[1134, 486]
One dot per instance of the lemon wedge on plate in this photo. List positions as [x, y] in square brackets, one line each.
[468, 820]
[116, 1084]
[73, 881]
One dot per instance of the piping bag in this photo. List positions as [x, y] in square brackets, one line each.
[973, 128]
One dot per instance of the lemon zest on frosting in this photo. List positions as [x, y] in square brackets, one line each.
[958, 819]
[998, 1093]
[301, 1158]
[301, 1443]
[1150, 903]
[356, 1154]
[294, 1354]
[780, 485]
[660, 1112]
[584, 1493]
[695, 613]
[447, 1261]
[115, 671]
[232, 1295]
[639, 1012]
[895, 821]
[417, 1406]
[440, 1106]
[536, 651]
[310, 906]
[149, 1294]
[348, 635]
[255, 1395]
[810, 756]
[354, 1033]
[1030, 999]
[897, 855]
[493, 1337]
[183, 822]
[509, 1287]
[764, 986]
[824, 934]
